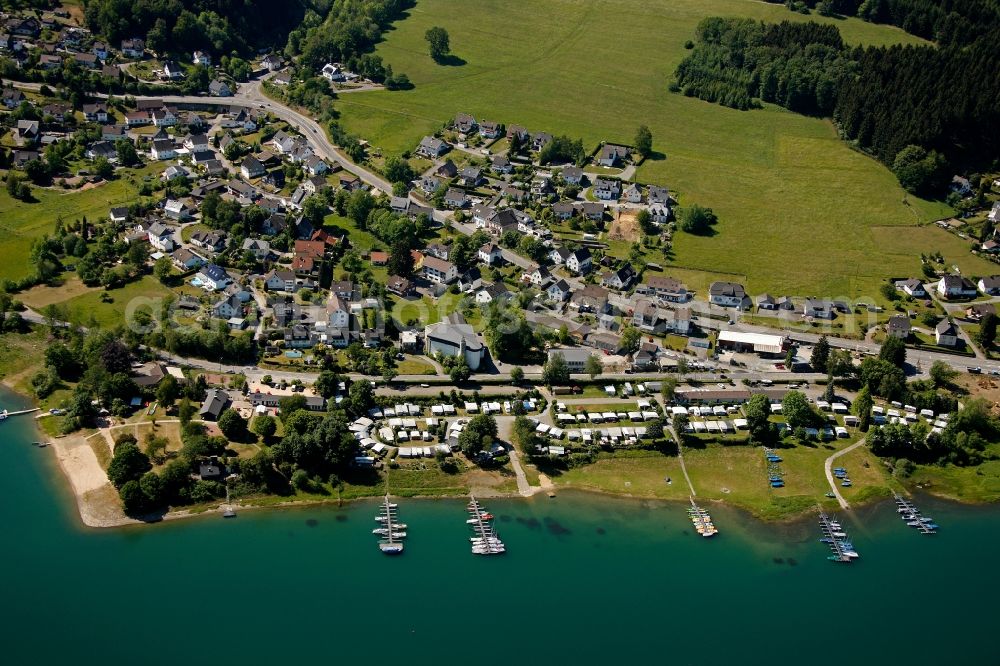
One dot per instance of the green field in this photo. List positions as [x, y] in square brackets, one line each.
[21, 222]
[108, 308]
[787, 190]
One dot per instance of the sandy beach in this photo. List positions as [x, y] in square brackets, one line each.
[96, 499]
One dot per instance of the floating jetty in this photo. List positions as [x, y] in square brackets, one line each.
[912, 517]
[390, 529]
[834, 536]
[701, 520]
[4, 413]
[484, 539]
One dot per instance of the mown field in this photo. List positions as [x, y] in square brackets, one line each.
[789, 193]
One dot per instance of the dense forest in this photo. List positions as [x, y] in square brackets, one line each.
[351, 28]
[219, 26]
[923, 110]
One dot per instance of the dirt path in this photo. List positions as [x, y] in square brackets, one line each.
[828, 467]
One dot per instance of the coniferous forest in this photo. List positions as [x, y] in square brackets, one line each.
[925, 111]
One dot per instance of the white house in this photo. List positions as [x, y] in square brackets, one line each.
[490, 254]
[439, 270]
[260, 249]
[161, 237]
[579, 261]
[337, 313]
[956, 286]
[912, 287]
[990, 285]
[728, 294]
[946, 334]
[607, 189]
[214, 277]
[280, 281]
[201, 58]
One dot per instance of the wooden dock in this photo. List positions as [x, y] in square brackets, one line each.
[701, 520]
[5, 413]
[836, 539]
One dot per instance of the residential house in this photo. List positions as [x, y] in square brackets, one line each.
[579, 261]
[432, 147]
[251, 168]
[611, 155]
[728, 295]
[177, 209]
[493, 292]
[471, 176]
[490, 254]
[172, 70]
[114, 133]
[572, 175]
[912, 287]
[564, 210]
[819, 308]
[337, 312]
[977, 311]
[27, 132]
[946, 334]
[209, 240]
[465, 124]
[275, 178]
[12, 98]
[439, 270]
[197, 143]
[214, 277]
[275, 224]
[219, 88]
[575, 357]
[658, 195]
[489, 129]
[201, 58]
[453, 340]
[215, 403]
[260, 249]
[282, 280]
[898, 326]
[161, 237]
[308, 257]
[438, 250]
[664, 288]
[559, 291]
[163, 149]
[539, 140]
[315, 166]
[592, 210]
[538, 276]
[633, 193]
[659, 214]
[607, 189]
[104, 149]
[134, 48]
[990, 285]
[137, 119]
[87, 60]
[227, 308]
[399, 286]
[271, 62]
[447, 170]
[956, 286]
[95, 113]
[185, 259]
[334, 72]
[163, 117]
[591, 299]
[620, 279]
[605, 341]
[455, 199]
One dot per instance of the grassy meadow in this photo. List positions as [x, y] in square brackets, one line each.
[787, 190]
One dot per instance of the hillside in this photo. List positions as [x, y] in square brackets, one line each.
[787, 190]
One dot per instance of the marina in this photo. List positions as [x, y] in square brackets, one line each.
[701, 520]
[484, 539]
[391, 531]
[912, 516]
[842, 550]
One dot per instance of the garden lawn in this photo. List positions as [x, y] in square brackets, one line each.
[786, 189]
[89, 308]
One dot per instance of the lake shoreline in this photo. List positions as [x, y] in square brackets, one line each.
[98, 506]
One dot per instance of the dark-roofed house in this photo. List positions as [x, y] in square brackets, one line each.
[490, 129]
[215, 403]
[620, 279]
[611, 155]
[977, 311]
[465, 123]
[591, 299]
[956, 286]
[898, 326]
[990, 285]
[728, 295]
[912, 287]
[579, 261]
[559, 291]
[251, 167]
[399, 286]
[455, 199]
[432, 147]
[946, 333]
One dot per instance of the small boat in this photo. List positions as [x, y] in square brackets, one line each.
[830, 495]
[846, 484]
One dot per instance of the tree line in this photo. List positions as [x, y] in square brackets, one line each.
[919, 109]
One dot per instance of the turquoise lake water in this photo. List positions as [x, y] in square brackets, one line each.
[586, 580]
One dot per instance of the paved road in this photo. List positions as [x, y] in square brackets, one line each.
[828, 468]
